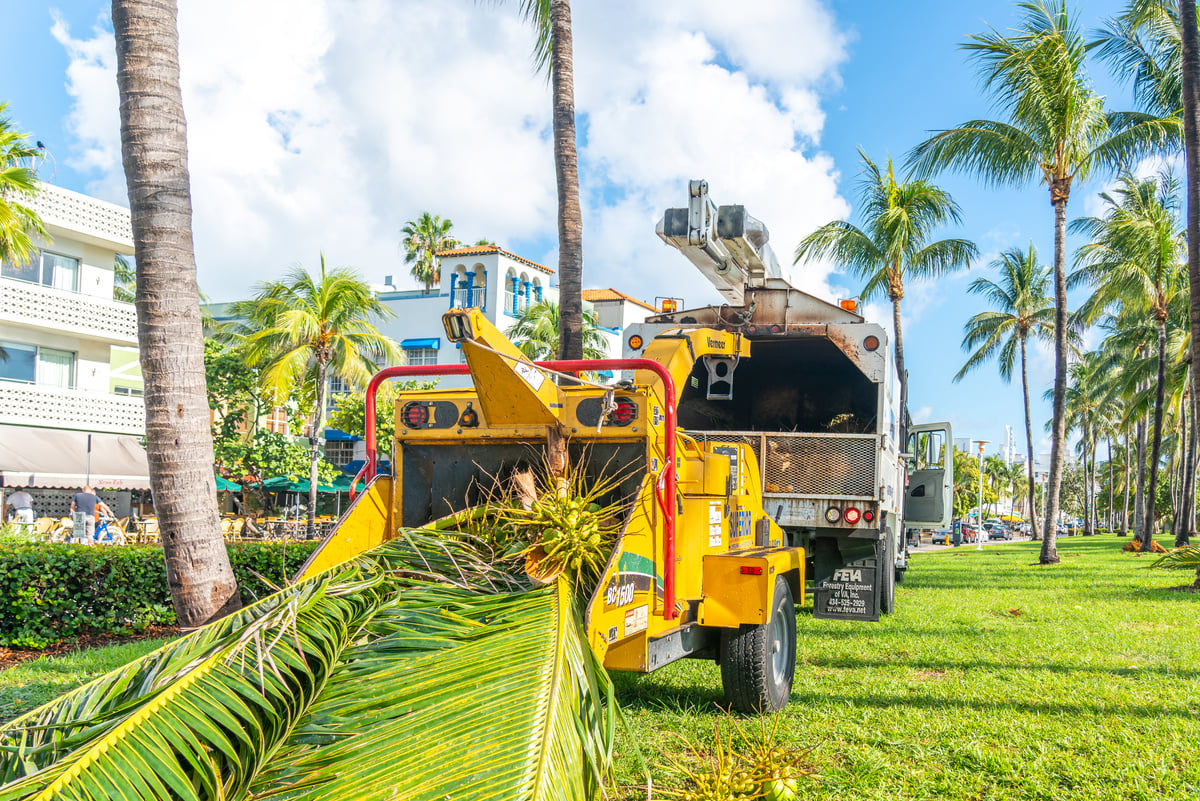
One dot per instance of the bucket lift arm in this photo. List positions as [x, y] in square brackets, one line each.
[728, 246]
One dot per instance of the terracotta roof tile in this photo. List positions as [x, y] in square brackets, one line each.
[482, 250]
[594, 295]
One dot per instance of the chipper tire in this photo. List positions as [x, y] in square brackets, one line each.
[758, 662]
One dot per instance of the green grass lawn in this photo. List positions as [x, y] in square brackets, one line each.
[997, 679]
[28, 685]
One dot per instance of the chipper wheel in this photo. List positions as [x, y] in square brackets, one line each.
[759, 661]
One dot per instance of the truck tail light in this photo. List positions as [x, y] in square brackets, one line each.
[624, 413]
[851, 515]
[868, 516]
[751, 570]
[833, 514]
[415, 414]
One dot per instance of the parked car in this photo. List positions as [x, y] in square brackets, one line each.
[942, 536]
[999, 532]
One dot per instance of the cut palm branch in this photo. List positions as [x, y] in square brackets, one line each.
[1179, 559]
[413, 671]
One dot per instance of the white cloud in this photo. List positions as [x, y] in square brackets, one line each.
[330, 131]
[922, 415]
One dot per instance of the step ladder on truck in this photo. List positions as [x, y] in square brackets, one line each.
[706, 565]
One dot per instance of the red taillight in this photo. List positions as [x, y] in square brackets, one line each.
[624, 413]
[749, 570]
[851, 515]
[415, 415]
[868, 516]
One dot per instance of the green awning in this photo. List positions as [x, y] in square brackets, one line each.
[225, 485]
[285, 484]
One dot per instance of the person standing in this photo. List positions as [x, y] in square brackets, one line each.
[84, 505]
[22, 504]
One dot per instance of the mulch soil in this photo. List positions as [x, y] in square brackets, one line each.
[11, 656]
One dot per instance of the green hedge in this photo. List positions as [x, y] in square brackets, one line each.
[50, 593]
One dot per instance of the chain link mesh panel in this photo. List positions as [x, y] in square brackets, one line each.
[806, 464]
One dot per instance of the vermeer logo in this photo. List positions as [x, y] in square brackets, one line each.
[716, 344]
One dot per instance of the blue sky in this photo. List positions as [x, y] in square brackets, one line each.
[360, 115]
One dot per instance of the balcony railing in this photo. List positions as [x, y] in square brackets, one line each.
[52, 407]
[69, 312]
[464, 298]
[96, 219]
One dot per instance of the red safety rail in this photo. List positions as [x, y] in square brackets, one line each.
[664, 487]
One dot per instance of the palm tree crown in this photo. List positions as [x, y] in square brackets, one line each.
[1024, 310]
[424, 237]
[536, 332]
[18, 182]
[899, 218]
[305, 329]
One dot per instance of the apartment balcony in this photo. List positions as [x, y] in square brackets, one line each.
[52, 407]
[62, 311]
[473, 298]
[85, 218]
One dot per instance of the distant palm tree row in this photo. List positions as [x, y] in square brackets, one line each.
[1052, 127]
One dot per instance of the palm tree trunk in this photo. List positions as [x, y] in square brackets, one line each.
[901, 373]
[1058, 430]
[1033, 521]
[1128, 485]
[1156, 441]
[314, 454]
[566, 173]
[1190, 76]
[178, 438]
[1188, 522]
[1139, 496]
[1111, 487]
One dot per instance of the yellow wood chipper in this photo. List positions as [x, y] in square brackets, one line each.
[698, 570]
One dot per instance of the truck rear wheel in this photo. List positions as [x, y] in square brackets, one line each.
[758, 662]
[887, 574]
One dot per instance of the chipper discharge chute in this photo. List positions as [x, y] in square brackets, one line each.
[665, 536]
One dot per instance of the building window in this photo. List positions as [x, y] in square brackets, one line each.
[418, 356]
[32, 364]
[339, 454]
[275, 421]
[47, 269]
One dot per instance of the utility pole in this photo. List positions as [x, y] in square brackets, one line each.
[979, 535]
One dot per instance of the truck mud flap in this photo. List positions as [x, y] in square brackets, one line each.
[852, 592]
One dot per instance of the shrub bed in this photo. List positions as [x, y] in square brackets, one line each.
[50, 593]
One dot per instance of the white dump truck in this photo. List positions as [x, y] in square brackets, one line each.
[843, 470]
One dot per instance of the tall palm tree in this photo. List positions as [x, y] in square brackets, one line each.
[1055, 129]
[306, 329]
[536, 332]
[178, 439]
[424, 237]
[1023, 310]
[1135, 259]
[552, 19]
[1154, 43]
[899, 217]
[18, 185]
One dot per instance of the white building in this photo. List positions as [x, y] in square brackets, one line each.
[487, 277]
[71, 348]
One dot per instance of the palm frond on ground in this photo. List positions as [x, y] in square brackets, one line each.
[376, 679]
